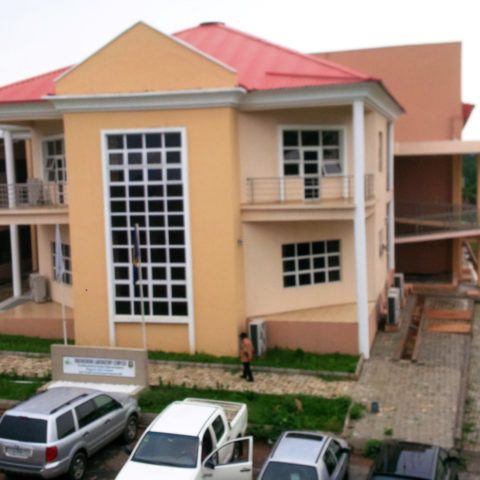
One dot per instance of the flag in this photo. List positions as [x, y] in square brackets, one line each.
[136, 261]
[59, 261]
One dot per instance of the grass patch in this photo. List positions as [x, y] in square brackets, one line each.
[357, 411]
[21, 388]
[275, 357]
[19, 343]
[268, 415]
[372, 447]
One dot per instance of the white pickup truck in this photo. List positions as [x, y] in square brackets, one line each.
[191, 440]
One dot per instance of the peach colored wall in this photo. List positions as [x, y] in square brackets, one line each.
[425, 79]
[314, 337]
[46, 235]
[214, 200]
[144, 60]
[262, 246]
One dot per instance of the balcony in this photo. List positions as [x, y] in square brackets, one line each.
[34, 202]
[307, 197]
[434, 221]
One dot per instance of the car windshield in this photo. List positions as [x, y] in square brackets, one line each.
[289, 471]
[167, 449]
[23, 429]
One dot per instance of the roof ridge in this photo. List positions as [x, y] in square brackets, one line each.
[308, 57]
[36, 77]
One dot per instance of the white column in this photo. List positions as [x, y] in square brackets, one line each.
[14, 244]
[390, 187]
[360, 228]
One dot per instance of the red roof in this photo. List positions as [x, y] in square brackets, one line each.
[261, 65]
[32, 89]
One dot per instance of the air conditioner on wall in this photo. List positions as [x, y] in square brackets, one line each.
[399, 282]
[393, 306]
[257, 329]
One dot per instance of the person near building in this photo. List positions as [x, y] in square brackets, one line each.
[246, 356]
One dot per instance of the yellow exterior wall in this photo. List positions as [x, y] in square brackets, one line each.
[263, 267]
[215, 227]
[144, 60]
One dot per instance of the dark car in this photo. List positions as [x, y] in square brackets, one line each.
[402, 460]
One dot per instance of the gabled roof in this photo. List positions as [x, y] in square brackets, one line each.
[262, 65]
[31, 89]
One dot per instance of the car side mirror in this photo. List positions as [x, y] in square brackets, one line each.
[128, 450]
[210, 464]
[346, 450]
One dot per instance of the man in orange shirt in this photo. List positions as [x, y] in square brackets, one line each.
[246, 356]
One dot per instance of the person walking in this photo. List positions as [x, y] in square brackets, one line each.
[246, 356]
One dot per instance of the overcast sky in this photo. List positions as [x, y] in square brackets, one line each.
[41, 35]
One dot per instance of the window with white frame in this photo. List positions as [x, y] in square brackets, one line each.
[54, 160]
[312, 151]
[146, 183]
[309, 263]
[67, 261]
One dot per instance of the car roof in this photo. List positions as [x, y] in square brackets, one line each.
[52, 400]
[183, 418]
[299, 447]
[406, 459]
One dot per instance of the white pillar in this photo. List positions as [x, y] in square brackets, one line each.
[360, 228]
[391, 205]
[14, 244]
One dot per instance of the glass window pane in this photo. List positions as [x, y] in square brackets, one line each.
[310, 138]
[134, 141]
[290, 138]
[172, 140]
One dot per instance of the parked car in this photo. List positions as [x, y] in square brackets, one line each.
[307, 456]
[54, 432]
[398, 459]
[193, 439]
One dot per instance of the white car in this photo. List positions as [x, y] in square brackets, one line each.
[307, 456]
[191, 440]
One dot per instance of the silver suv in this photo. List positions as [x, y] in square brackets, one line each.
[54, 432]
[307, 456]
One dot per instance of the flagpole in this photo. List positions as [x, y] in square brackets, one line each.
[140, 284]
[64, 320]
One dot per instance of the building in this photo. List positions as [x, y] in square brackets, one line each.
[260, 178]
[432, 224]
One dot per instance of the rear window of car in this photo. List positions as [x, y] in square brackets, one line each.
[276, 470]
[23, 429]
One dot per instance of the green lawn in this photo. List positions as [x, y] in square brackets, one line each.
[275, 357]
[18, 389]
[18, 343]
[268, 415]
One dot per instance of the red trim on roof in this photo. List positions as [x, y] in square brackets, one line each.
[467, 109]
[31, 89]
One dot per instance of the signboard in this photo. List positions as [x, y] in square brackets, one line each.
[114, 367]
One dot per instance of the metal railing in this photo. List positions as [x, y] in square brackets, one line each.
[34, 193]
[304, 189]
[423, 218]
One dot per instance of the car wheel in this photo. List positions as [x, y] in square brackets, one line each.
[131, 429]
[77, 468]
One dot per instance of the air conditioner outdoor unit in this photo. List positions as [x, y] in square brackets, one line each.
[393, 306]
[38, 288]
[258, 335]
[399, 282]
[34, 186]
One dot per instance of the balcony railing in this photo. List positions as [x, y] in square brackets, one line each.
[304, 189]
[424, 218]
[33, 194]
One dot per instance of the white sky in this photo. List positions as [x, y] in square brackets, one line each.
[41, 35]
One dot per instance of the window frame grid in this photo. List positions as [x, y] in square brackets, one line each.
[67, 277]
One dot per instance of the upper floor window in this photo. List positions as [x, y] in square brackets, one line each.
[312, 152]
[54, 168]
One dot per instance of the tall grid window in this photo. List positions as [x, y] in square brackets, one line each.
[67, 260]
[146, 187]
[311, 262]
[54, 161]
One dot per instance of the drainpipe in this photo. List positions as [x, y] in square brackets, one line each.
[14, 243]
[359, 225]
